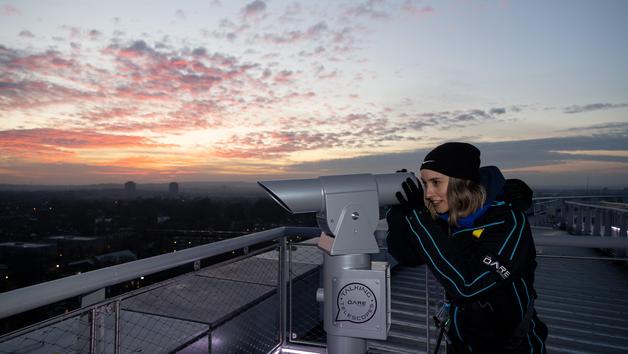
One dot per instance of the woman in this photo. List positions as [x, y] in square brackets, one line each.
[471, 231]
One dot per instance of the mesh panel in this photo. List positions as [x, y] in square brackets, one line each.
[71, 335]
[306, 314]
[228, 308]
[436, 299]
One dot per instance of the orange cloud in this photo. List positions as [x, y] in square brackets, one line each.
[45, 144]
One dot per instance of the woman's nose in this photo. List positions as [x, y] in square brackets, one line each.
[428, 192]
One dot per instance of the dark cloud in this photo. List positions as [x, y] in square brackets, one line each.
[508, 155]
[593, 107]
[317, 29]
[618, 129]
[136, 48]
[26, 34]
[372, 9]
[95, 34]
[255, 8]
[200, 51]
[351, 131]
[454, 119]
[497, 111]
[313, 32]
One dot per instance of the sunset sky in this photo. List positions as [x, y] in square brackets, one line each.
[159, 91]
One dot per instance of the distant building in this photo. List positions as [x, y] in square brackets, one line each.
[130, 186]
[26, 248]
[173, 188]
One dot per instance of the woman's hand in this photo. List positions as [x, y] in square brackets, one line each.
[414, 195]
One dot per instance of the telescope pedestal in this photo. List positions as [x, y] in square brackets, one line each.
[349, 345]
[333, 268]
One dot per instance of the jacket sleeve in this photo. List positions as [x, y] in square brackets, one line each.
[399, 239]
[476, 265]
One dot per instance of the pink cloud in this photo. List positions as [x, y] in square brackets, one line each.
[193, 115]
[414, 8]
[109, 114]
[33, 94]
[154, 74]
[284, 76]
[75, 139]
[10, 10]
[148, 88]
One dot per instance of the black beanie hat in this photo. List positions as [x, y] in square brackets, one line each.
[459, 160]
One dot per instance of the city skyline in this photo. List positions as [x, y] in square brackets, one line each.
[241, 91]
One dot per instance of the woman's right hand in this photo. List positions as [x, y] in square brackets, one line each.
[414, 195]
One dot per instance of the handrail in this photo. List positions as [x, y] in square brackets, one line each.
[582, 241]
[34, 296]
[578, 197]
[595, 206]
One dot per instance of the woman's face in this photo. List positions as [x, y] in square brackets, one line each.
[435, 185]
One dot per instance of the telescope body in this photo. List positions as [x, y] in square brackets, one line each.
[308, 195]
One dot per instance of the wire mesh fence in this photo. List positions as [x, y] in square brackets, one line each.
[235, 306]
[305, 314]
[231, 307]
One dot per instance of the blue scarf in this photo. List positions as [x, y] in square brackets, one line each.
[468, 220]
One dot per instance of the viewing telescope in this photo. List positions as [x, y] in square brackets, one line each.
[356, 291]
[345, 205]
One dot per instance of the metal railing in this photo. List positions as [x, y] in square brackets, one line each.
[239, 305]
[256, 302]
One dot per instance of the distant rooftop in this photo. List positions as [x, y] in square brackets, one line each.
[24, 245]
[73, 238]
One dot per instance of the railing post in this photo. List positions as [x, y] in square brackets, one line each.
[116, 340]
[580, 223]
[92, 331]
[570, 216]
[427, 310]
[608, 216]
[597, 222]
[623, 225]
[587, 221]
[282, 290]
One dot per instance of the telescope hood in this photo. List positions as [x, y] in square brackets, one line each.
[296, 196]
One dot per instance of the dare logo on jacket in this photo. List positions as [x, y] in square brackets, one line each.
[500, 269]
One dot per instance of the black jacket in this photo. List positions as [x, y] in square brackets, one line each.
[487, 270]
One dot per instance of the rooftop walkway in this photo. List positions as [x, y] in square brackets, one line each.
[583, 302]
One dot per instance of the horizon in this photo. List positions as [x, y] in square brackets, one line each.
[212, 91]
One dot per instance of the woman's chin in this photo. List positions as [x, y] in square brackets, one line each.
[441, 209]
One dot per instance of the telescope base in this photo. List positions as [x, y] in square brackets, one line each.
[341, 345]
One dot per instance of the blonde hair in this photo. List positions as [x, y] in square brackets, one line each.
[464, 197]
